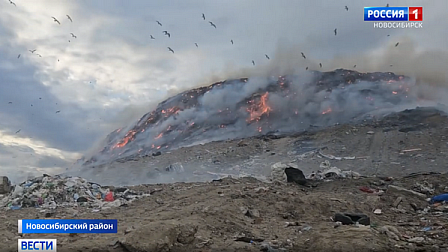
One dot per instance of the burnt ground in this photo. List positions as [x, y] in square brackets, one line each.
[209, 216]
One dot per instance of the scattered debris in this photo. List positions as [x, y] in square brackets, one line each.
[377, 211]
[5, 185]
[370, 132]
[439, 198]
[278, 171]
[411, 150]
[334, 157]
[352, 218]
[58, 191]
[329, 172]
[401, 189]
[397, 202]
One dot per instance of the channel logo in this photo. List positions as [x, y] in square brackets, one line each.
[37, 245]
[393, 14]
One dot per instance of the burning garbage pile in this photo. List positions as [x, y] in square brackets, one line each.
[50, 192]
[247, 107]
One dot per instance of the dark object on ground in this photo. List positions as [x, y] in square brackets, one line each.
[81, 199]
[157, 154]
[248, 239]
[294, 175]
[352, 218]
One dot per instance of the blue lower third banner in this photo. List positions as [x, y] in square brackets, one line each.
[64, 226]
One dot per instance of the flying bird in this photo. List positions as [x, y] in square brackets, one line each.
[346, 7]
[159, 23]
[58, 111]
[303, 55]
[39, 55]
[231, 41]
[397, 44]
[253, 62]
[18, 56]
[18, 131]
[152, 37]
[32, 51]
[267, 57]
[57, 21]
[212, 24]
[10, 102]
[167, 33]
[11, 2]
[388, 35]
[69, 18]
[203, 16]
[354, 66]
[73, 35]
[387, 5]
[335, 32]
[171, 50]
[196, 44]
[320, 64]
[306, 68]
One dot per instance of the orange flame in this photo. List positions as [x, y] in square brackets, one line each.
[257, 110]
[394, 92]
[327, 111]
[129, 136]
[159, 136]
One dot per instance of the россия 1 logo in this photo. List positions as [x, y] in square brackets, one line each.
[394, 17]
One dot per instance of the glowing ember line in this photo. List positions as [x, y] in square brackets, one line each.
[327, 111]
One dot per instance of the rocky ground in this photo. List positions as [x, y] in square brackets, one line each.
[252, 214]
[277, 216]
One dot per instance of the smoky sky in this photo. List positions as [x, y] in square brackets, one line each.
[113, 72]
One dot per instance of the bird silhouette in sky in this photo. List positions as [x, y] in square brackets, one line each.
[346, 7]
[231, 41]
[335, 32]
[306, 68]
[152, 37]
[57, 111]
[18, 131]
[196, 44]
[69, 18]
[159, 23]
[354, 66]
[11, 2]
[203, 16]
[320, 64]
[10, 102]
[18, 56]
[253, 62]
[32, 51]
[57, 21]
[397, 44]
[167, 33]
[212, 24]
[73, 35]
[303, 55]
[171, 50]
[39, 55]
[267, 57]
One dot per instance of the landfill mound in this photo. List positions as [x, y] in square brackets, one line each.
[51, 192]
[246, 107]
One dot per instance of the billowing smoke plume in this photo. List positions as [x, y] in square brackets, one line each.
[262, 105]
